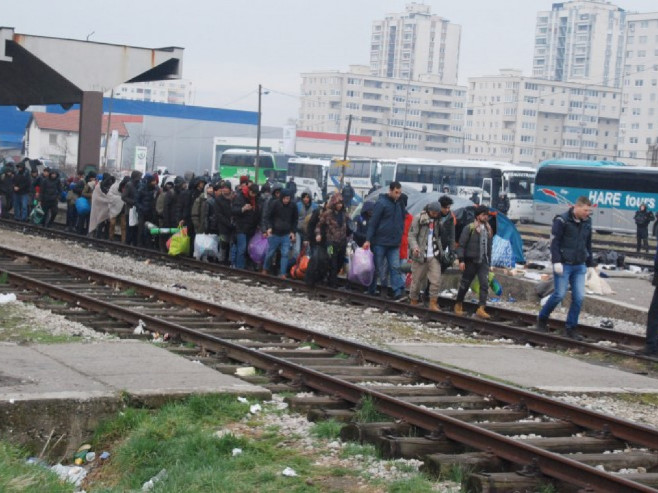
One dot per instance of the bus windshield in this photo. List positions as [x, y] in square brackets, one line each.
[355, 168]
[520, 185]
[246, 160]
[302, 170]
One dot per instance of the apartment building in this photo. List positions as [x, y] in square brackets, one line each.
[162, 91]
[638, 127]
[420, 116]
[521, 119]
[580, 41]
[415, 42]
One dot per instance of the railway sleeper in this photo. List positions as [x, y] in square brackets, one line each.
[564, 445]
[368, 432]
[418, 390]
[442, 465]
[631, 459]
[322, 414]
[415, 447]
[509, 482]
[296, 352]
[305, 404]
[356, 370]
[439, 401]
[649, 479]
[542, 428]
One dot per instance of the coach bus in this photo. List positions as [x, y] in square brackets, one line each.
[480, 181]
[310, 176]
[234, 163]
[361, 173]
[615, 190]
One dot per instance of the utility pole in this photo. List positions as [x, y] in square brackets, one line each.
[260, 93]
[347, 142]
[107, 131]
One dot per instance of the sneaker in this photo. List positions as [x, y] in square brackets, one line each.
[541, 325]
[400, 296]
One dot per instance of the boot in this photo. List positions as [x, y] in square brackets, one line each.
[413, 302]
[264, 272]
[459, 309]
[434, 305]
[571, 333]
[541, 325]
[481, 313]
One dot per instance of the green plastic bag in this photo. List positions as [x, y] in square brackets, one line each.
[180, 243]
[36, 216]
[494, 285]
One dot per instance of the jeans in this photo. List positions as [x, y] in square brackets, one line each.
[387, 255]
[652, 324]
[573, 275]
[20, 207]
[241, 252]
[275, 242]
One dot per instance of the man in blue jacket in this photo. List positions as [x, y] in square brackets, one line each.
[571, 254]
[385, 234]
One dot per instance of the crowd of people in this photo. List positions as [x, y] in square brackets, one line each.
[424, 243]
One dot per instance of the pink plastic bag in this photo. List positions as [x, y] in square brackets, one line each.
[362, 267]
[257, 247]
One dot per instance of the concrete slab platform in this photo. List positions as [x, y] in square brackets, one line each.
[105, 369]
[59, 394]
[533, 368]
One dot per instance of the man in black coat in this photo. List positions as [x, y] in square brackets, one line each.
[219, 218]
[129, 197]
[21, 191]
[7, 190]
[652, 318]
[643, 218]
[50, 192]
[281, 225]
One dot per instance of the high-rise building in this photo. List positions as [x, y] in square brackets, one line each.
[415, 42]
[638, 127]
[520, 119]
[420, 116]
[580, 41]
[162, 91]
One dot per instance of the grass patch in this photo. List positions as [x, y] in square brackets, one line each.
[367, 411]
[4, 278]
[644, 399]
[16, 327]
[458, 474]
[415, 484]
[129, 292]
[18, 476]
[329, 429]
[353, 449]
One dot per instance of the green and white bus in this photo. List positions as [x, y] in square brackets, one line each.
[235, 163]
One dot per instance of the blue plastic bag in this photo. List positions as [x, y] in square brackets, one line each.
[502, 253]
[82, 206]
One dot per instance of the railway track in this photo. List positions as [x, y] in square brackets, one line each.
[446, 417]
[510, 324]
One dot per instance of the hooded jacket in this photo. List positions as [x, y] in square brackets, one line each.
[419, 233]
[333, 223]
[245, 221]
[51, 190]
[283, 217]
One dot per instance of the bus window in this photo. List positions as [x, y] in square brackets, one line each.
[486, 192]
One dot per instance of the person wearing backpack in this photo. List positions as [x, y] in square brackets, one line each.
[474, 252]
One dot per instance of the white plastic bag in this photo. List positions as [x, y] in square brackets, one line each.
[206, 246]
[362, 267]
[133, 220]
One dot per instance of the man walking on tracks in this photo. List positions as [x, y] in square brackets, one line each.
[474, 252]
[643, 218]
[571, 254]
[385, 233]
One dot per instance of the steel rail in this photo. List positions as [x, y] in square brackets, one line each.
[549, 463]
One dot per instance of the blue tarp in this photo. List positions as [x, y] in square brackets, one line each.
[506, 230]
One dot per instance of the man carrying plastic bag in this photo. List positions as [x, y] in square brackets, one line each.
[362, 267]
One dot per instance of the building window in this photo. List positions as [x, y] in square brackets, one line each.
[52, 139]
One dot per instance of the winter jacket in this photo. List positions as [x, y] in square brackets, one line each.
[334, 226]
[387, 223]
[572, 240]
[348, 195]
[418, 236]
[245, 222]
[469, 243]
[51, 190]
[199, 213]
[643, 218]
[22, 181]
[222, 223]
[282, 218]
[129, 195]
[303, 215]
[146, 196]
[168, 217]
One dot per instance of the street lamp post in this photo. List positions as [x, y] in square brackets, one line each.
[260, 94]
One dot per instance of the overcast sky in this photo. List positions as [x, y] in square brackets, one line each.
[232, 46]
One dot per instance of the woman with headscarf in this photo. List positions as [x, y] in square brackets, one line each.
[332, 230]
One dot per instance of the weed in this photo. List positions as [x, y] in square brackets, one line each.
[458, 474]
[329, 429]
[415, 484]
[352, 449]
[4, 277]
[367, 411]
[546, 488]
[129, 292]
[16, 475]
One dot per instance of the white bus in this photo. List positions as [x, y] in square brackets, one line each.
[310, 176]
[480, 181]
[361, 173]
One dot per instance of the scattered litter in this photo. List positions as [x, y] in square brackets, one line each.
[105, 455]
[150, 484]
[236, 452]
[606, 323]
[141, 328]
[222, 433]
[179, 286]
[72, 474]
[197, 362]
[635, 269]
[533, 275]
[243, 400]
[7, 298]
[246, 371]
[255, 408]
[90, 457]
[11, 401]
[288, 471]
